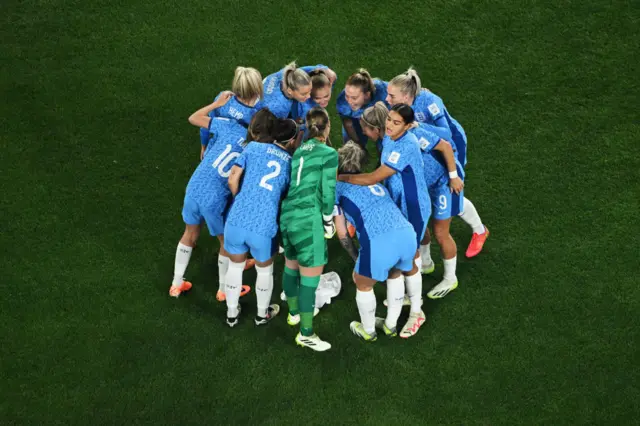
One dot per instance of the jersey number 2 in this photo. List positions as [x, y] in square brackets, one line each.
[273, 174]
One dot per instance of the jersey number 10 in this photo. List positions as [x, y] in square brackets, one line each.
[223, 161]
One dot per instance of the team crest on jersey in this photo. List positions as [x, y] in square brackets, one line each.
[433, 109]
[394, 157]
[420, 116]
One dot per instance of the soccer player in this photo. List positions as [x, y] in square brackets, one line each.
[247, 90]
[321, 85]
[305, 222]
[207, 193]
[360, 92]
[388, 245]
[289, 84]
[403, 169]
[444, 180]
[443, 174]
[429, 108]
[252, 223]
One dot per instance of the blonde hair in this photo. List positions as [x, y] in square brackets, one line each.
[294, 78]
[247, 84]
[376, 116]
[317, 121]
[408, 82]
[350, 157]
[362, 80]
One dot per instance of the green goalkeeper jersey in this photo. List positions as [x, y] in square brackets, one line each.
[314, 168]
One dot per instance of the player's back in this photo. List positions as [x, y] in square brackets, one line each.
[407, 186]
[435, 168]
[274, 97]
[429, 108]
[209, 181]
[236, 110]
[306, 175]
[267, 169]
[370, 209]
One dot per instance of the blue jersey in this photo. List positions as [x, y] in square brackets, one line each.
[407, 186]
[370, 209]
[430, 109]
[267, 170]
[274, 98]
[236, 110]
[208, 184]
[435, 168]
[344, 109]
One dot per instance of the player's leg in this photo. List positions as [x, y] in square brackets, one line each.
[183, 255]
[312, 256]
[291, 276]
[480, 232]
[428, 265]
[235, 246]
[366, 302]
[192, 219]
[373, 264]
[263, 251]
[413, 283]
[449, 250]
[446, 205]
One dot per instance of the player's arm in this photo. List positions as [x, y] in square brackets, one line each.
[328, 191]
[347, 122]
[329, 173]
[343, 235]
[365, 179]
[201, 118]
[455, 183]
[234, 179]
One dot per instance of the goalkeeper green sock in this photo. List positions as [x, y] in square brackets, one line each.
[291, 286]
[307, 303]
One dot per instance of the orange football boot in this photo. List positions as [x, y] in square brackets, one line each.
[477, 242]
[175, 290]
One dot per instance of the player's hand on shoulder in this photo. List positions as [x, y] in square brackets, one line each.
[223, 98]
[456, 185]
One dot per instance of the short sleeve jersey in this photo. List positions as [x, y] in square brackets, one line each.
[267, 169]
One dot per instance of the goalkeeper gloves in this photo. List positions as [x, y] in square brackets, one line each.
[329, 226]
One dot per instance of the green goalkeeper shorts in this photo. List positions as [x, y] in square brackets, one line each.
[303, 240]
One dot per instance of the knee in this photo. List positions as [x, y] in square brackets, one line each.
[441, 231]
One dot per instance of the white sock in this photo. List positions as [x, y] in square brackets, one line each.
[425, 254]
[233, 287]
[414, 291]
[223, 267]
[395, 297]
[418, 261]
[264, 288]
[450, 268]
[183, 254]
[470, 215]
[366, 301]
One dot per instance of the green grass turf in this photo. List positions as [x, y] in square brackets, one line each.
[96, 153]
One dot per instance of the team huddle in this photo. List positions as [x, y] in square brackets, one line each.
[269, 178]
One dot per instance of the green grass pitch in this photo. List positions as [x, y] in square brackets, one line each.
[97, 151]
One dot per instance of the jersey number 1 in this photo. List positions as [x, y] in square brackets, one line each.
[273, 174]
[300, 170]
